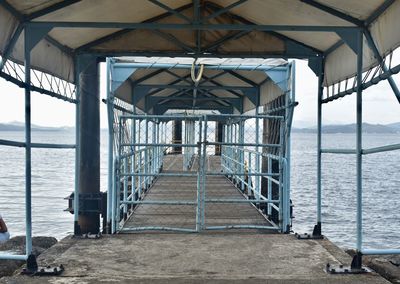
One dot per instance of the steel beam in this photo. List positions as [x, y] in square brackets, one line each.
[170, 10]
[223, 10]
[378, 56]
[333, 12]
[12, 10]
[117, 34]
[242, 78]
[174, 40]
[225, 39]
[191, 27]
[312, 51]
[190, 87]
[379, 11]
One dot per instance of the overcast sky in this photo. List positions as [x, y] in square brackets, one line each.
[380, 104]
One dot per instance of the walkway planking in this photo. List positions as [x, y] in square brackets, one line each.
[184, 189]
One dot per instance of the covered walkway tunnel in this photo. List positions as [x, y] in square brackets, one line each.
[167, 137]
[200, 97]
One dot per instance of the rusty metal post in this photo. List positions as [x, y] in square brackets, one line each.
[177, 136]
[89, 164]
[218, 137]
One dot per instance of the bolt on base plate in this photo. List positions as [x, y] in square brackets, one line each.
[308, 236]
[341, 269]
[44, 271]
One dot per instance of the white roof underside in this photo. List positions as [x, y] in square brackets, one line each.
[340, 64]
[256, 74]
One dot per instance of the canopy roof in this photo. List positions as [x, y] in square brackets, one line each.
[211, 28]
[228, 85]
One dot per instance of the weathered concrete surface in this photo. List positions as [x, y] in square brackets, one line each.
[222, 257]
[238, 257]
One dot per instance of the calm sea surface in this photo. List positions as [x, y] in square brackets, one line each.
[53, 180]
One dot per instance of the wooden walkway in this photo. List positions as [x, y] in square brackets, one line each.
[183, 188]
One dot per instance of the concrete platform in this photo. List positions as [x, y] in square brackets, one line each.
[216, 257]
[255, 256]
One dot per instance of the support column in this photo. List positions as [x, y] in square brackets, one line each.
[318, 227]
[357, 261]
[89, 164]
[28, 149]
[218, 137]
[177, 136]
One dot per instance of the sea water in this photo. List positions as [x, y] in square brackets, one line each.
[53, 180]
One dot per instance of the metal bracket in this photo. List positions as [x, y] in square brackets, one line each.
[355, 267]
[88, 203]
[32, 268]
[316, 234]
[350, 38]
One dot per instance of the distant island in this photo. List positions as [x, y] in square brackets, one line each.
[338, 128]
[351, 128]
[19, 126]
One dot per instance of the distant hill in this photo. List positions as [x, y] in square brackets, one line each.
[351, 128]
[394, 125]
[18, 126]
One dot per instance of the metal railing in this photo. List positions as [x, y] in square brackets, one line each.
[140, 161]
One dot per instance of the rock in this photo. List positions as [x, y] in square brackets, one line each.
[386, 265]
[16, 245]
[18, 242]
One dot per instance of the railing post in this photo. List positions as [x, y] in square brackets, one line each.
[199, 180]
[110, 118]
[282, 194]
[269, 185]
[359, 142]
[146, 155]
[257, 168]
[318, 228]
[241, 153]
[133, 159]
[154, 151]
[28, 151]
[125, 188]
[203, 193]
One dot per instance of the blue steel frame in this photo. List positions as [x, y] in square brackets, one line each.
[147, 158]
[32, 37]
[282, 76]
[139, 151]
[34, 31]
[359, 151]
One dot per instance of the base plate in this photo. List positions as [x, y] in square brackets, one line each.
[308, 236]
[341, 269]
[44, 271]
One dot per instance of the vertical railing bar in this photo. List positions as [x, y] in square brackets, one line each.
[359, 140]
[28, 184]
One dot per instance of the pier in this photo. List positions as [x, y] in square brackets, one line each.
[200, 98]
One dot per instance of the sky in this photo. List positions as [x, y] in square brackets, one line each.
[379, 104]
